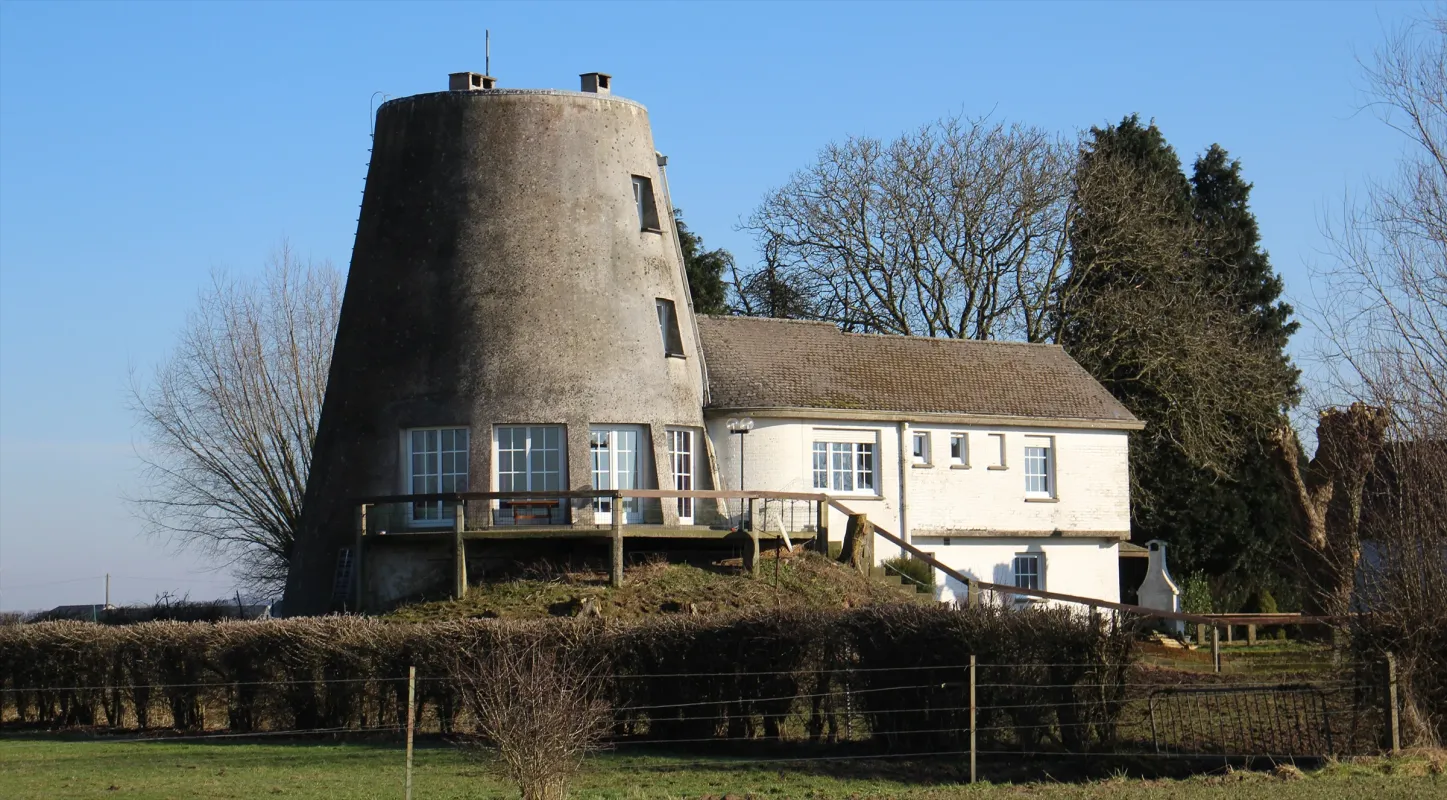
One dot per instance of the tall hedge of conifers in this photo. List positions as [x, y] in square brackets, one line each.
[897, 672]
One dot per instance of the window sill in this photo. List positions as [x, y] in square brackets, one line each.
[997, 467]
[1042, 499]
[851, 495]
[679, 356]
[650, 230]
[923, 466]
[959, 466]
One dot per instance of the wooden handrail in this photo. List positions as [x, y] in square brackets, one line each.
[1205, 619]
[589, 494]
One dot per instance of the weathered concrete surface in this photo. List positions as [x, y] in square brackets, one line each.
[499, 276]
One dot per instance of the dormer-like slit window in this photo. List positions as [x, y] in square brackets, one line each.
[603, 81]
[646, 205]
[668, 328]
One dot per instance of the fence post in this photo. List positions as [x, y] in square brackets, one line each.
[972, 718]
[821, 527]
[359, 558]
[1392, 734]
[411, 721]
[1200, 634]
[972, 594]
[1251, 634]
[615, 577]
[1216, 647]
[459, 554]
[751, 555]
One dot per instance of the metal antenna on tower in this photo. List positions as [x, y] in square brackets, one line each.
[486, 51]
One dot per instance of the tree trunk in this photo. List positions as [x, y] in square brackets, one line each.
[1326, 499]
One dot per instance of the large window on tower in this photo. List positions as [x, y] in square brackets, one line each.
[530, 458]
[436, 464]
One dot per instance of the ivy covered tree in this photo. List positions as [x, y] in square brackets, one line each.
[705, 270]
[1173, 306]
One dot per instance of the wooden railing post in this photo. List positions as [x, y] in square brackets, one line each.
[821, 527]
[1216, 647]
[359, 558]
[459, 553]
[615, 573]
[858, 535]
[973, 709]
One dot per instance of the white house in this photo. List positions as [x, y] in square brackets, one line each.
[1006, 461]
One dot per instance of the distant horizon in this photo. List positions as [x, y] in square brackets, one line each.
[143, 145]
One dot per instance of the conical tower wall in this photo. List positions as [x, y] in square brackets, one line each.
[506, 272]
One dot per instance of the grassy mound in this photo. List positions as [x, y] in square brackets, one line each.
[801, 580]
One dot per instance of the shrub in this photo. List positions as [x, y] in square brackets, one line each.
[917, 571]
[1196, 594]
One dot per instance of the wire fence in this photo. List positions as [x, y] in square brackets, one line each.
[926, 711]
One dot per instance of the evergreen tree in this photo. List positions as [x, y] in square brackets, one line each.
[705, 270]
[1173, 306]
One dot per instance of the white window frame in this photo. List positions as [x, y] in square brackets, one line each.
[434, 513]
[920, 448]
[960, 457]
[682, 455]
[668, 327]
[531, 451]
[845, 466]
[1020, 559]
[998, 442]
[1040, 468]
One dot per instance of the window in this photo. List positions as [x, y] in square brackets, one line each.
[1039, 467]
[680, 460]
[645, 204]
[920, 452]
[436, 463]
[844, 466]
[1028, 572]
[959, 450]
[668, 327]
[997, 451]
[530, 459]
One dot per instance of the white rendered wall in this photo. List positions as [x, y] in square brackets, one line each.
[1092, 479]
[1084, 567]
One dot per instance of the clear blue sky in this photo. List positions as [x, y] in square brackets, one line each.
[143, 145]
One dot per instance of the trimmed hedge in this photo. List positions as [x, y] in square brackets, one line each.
[897, 670]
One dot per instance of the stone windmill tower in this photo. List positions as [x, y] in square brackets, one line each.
[516, 318]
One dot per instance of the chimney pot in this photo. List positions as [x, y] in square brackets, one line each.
[470, 82]
[597, 82]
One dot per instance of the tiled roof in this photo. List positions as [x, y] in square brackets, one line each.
[756, 363]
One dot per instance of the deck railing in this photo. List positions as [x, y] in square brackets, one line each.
[475, 511]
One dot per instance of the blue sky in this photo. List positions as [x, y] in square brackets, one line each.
[143, 145]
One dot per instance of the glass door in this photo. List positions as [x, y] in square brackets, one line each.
[616, 465]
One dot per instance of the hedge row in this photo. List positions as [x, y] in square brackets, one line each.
[898, 670]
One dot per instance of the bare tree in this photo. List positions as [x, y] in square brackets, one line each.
[1382, 318]
[542, 710]
[228, 420]
[958, 230]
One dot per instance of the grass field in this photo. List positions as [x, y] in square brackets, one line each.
[37, 767]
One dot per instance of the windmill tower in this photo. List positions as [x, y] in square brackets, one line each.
[516, 318]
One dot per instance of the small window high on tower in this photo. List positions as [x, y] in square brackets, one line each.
[647, 207]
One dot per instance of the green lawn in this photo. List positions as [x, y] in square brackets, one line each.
[34, 767]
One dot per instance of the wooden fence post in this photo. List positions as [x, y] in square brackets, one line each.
[973, 709]
[1200, 634]
[858, 536]
[411, 722]
[1251, 634]
[1392, 734]
[359, 584]
[615, 576]
[1216, 648]
[459, 554]
[972, 595]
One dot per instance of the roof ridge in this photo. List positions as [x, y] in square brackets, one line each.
[956, 339]
[747, 318]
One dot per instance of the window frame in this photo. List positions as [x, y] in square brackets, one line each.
[1003, 460]
[444, 515]
[921, 456]
[1046, 443]
[645, 203]
[1038, 559]
[668, 330]
[962, 459]
[528, 450]
[681, 473]
[861, 458]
